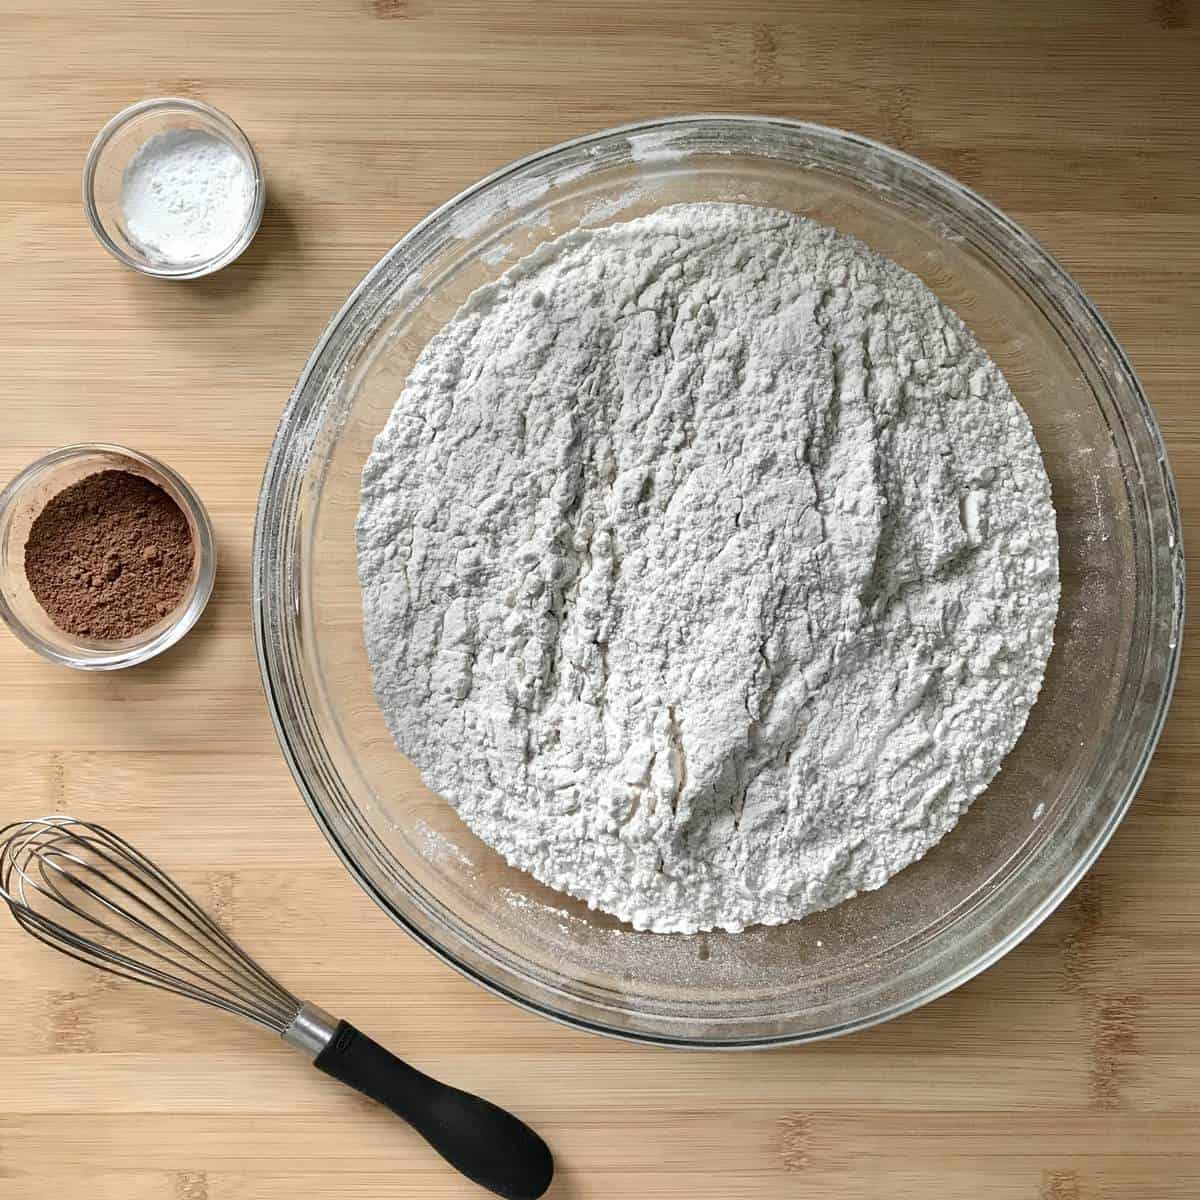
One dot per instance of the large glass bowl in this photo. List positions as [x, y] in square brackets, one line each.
[1027, 839]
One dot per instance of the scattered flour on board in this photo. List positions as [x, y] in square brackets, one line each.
[709, 567]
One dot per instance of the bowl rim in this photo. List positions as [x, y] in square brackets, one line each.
[291, 418]
[235, 133]
[205, 551]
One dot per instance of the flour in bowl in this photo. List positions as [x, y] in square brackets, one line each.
[709, 567]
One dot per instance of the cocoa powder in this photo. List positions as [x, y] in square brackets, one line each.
[109, 556]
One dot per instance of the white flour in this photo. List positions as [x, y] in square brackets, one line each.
[709, 567]
[186, 195]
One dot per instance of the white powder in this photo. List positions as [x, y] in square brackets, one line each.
[709, 567]
[186, 195]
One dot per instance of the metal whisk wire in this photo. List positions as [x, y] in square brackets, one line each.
[87, 892]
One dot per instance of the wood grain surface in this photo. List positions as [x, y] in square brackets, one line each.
[1069, 1071]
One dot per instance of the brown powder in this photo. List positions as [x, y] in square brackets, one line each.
[109, 556]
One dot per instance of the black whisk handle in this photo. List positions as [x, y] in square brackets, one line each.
[489, 1146]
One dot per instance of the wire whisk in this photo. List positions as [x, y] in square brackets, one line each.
[87, 892]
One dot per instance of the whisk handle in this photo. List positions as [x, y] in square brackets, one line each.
[489, 1146]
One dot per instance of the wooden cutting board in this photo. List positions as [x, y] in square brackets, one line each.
[1069, 1071]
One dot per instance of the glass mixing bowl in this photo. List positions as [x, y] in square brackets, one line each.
[1025, 842]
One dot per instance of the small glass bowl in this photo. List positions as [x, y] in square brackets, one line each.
[21, 502]
[113, 150]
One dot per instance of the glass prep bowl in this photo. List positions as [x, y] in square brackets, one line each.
[1025, 842]
[20, 504]
[115, 147]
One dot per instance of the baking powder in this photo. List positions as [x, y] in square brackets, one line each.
[186, 196]
[709, 567]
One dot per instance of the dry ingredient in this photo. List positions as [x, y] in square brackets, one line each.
[109, 556]
[186, 196]
[709, 567]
